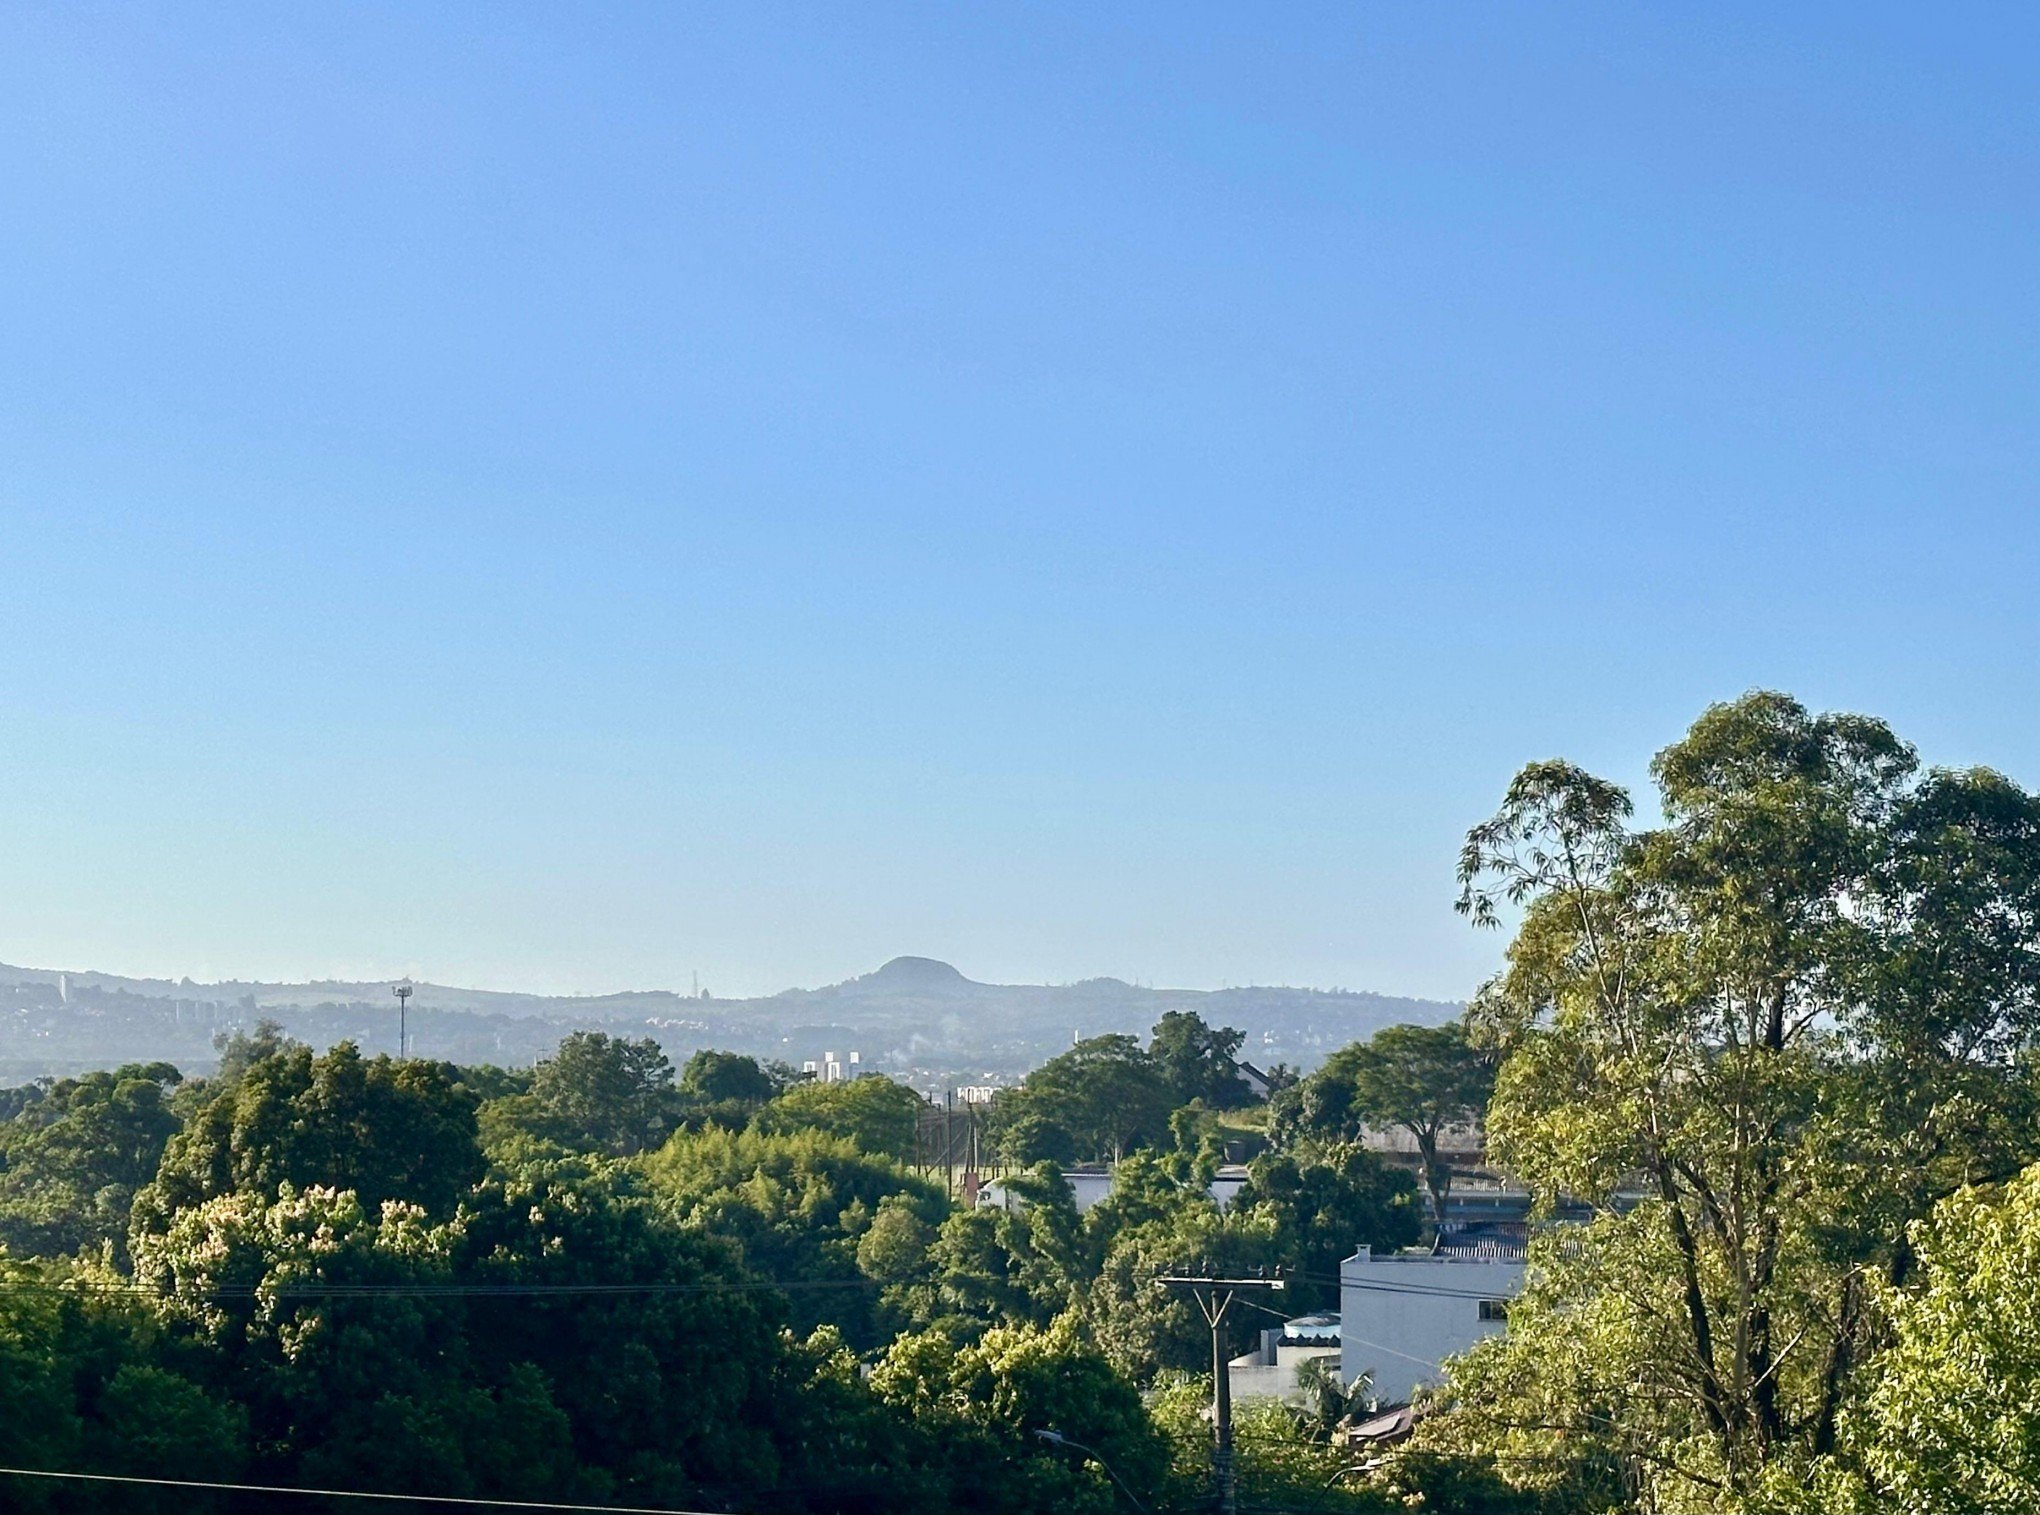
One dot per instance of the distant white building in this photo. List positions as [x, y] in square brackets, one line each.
[1270, 1370]
[831, 1069]
[1090, 1185]
[1402, 1314]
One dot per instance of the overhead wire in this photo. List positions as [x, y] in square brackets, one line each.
[336, 1290]
[473, 1502]
[98, 1287]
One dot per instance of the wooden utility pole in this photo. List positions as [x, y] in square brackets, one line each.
[1214, 1298]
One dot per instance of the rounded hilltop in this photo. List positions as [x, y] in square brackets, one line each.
[915, 975]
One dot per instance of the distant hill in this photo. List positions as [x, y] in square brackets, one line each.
[917, 1017]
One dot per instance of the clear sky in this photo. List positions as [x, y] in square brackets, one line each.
[566, 496]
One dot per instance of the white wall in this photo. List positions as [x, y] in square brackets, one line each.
[1253, 1378]
[1089, 1187]
[1400, 1316]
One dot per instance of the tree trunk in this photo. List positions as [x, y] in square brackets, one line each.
[1437, 1182]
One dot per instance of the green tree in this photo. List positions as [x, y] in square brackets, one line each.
[1199, 1061]
[678, 1383]
[1425, 1080]
[1951, 1421]
[1319, 1205]
[81, 1393]
[727, 1079]
[1103, 1098]
[1018, 1264]
[606, 1092]
[1145, 1187]
[894, 1249]
[796, 1208]
[240, 1050]
[72, 1161]
[381, 1129]
[555, 1338]
[1809, 975]
[1144, 1327]
[877, 1114]
[1281, 1459]
[150, 1421]
[985, 1402]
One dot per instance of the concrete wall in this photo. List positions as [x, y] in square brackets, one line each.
[1253, 1377]
[1401, 1316]
[1089, 1186]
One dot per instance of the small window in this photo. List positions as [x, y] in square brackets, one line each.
[1494, 1309]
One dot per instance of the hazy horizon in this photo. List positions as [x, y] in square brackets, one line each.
[688, 986]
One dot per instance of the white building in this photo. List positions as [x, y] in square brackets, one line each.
[1270, 1370]
[1401, 1315]
[831, 1069]
[1090, 1185]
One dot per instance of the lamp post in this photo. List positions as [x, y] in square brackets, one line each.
[403, 994]
[1056, 1438]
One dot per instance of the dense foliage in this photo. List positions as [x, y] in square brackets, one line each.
[1764, 1038]
[73, 1156]
[602, 1281]
[1424, 1080]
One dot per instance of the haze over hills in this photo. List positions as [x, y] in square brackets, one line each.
[916, 1017]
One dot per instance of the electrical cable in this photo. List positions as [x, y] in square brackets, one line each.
[1361, 1341]
[316, 1290]
[98, 1288]
[277, 1488]
[1426, 1291]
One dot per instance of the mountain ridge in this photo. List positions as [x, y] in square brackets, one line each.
[920, 1017]
[901, 974]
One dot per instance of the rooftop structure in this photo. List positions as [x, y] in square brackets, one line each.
[1271, 1370]
[1404, 1313]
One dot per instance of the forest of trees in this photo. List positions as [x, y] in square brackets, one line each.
[1778, 1042]
[607, 1280]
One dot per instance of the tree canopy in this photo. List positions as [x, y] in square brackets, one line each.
[874, 1112]
[608, 1091]
[1424, 1080]
[593, 1282]
[1103, 1098]
[1765, 1036]
[381, 1129]
[1198, 1061]
[73, 1158]
[1951, 1422]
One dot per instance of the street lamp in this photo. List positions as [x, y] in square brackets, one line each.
[403, 994]
[1056, 1438]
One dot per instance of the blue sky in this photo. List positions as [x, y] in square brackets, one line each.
[568, 497]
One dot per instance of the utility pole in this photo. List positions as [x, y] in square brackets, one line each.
[403, 994]
[1214, 1298]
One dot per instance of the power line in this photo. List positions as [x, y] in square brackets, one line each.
[428, 1291]
[1361, 1341]
[1373, 1286]
[542, 1290]
[342, 1290]
[278, 1488]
